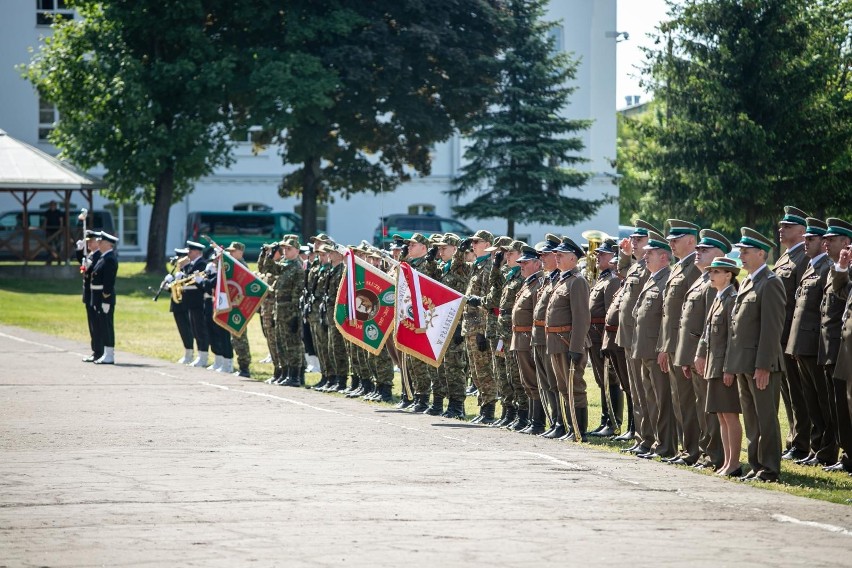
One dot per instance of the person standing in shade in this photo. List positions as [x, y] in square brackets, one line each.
[103, 296]
[755, 356]
[722, 396]
[790, 267]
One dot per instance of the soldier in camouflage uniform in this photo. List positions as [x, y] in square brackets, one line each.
[421, 257]
[452, 374]
[490, 303]
[241, 343]
[288, 317]
[269, 257]
[338, 362]
[473, 326]
[505, 282]
[317, 285]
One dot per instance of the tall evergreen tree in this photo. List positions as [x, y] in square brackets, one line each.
[524, 152]
[755, 111]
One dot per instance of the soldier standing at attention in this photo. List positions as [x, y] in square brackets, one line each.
[682, 237]
[755, 356]
[696, 306]
[648, 315]
[452, 372]
[789, 268]
[837, 238]
[521, 346]
[843, 367]
[473, 325]
[804, 341]
[240, 344]
[632, 264]
[600, 298]
[193, 297]
[103, 296]
[288, 318]
[338, 362]
[566, 323]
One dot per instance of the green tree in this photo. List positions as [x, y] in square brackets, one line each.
[394, 79]
[524, 152]
[140, 87]
[755, 111]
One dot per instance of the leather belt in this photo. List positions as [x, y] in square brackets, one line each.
[97, 286]
[185, 288]
[611, 327]
[522, 328]
[538, 323]
[558, 329]
[598, 320]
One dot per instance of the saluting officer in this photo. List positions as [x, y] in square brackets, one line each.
[600, 298]
[103, 296]
[566, 323]
[88, 255]
[804, 341]
[755, 356]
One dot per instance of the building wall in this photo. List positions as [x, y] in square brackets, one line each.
[585, 27]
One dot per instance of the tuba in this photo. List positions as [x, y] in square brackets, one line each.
[595, 239]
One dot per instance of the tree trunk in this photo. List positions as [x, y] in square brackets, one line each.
[158, 228]
[510, 227]
[310, 192]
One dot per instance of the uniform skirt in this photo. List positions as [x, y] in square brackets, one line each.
[721, 398]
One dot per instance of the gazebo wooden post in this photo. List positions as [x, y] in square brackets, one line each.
[25, 222]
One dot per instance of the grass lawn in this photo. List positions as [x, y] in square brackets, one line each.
[147, 328]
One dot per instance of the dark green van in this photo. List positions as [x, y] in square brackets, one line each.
[252, 228]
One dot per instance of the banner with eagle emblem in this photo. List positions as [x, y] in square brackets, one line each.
[427, 313]
[238, 295]
[363, 310]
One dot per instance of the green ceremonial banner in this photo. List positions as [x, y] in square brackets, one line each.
[364, 308]
[245, 292]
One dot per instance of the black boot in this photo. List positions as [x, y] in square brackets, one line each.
[509, 416]
[613, 414]
[321, 384]
[356, 382]
[384, 393]
[292, 377]
[341, 385]
[604, 415]
[455, 409]
[374, 395]
[437, 406]
[582, 415]
[276, 374]
[488, 413]
[504, 410]
[560, 428]
[537, 418]
[521, 421]
[283, 376]
[243, 372]
[356, 392]
[421, 403]
[404, 402]
[302, 376]
[334, 382]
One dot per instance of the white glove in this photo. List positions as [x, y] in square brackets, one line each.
[87, 262]
[199, 279]
[179, 275]
[105, 308]
[210, 268]
[169, 279]
[80, 245]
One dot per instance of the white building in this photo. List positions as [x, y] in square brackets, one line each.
[587, 30]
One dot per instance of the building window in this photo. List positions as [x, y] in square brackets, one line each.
[250, 206]
[322, 216]
[555, 34]
[421, 209]
[47, 118]
[126, 220]
[48, 11]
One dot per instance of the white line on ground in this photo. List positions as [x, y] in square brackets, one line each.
[814, 524]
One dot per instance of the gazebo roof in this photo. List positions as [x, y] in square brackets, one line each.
[23, 167]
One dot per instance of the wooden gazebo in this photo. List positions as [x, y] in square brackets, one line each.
[26, 172]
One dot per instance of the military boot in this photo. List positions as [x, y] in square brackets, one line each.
[613, 415]
[537, 417]
[404, 402]
[509, 416]
[276, 374]
[504, 411]
[375, 394]
[385, 393]
[455, 409]
[421, 403]
[362, 389]
[302, 376]
[487, 413]
[353, 386]
[355, 392]
[582, 415]
[341, 385]
[293, 377]
[321, 384]
[557, 430]
[370, 389]
[521, 421]
[243, 372]
[333, 383]
[437, 406]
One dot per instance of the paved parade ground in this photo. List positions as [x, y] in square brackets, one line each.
[151, 464]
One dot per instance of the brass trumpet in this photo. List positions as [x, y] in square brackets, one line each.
[595, 239]
[176, 288]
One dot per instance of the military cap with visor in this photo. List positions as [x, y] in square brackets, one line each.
[482, 235]
[643, 228]
[713, 239]
[724, 263]
[499, 243]
[679, 228]
[816, 227]
[656, 241]
[838, 228]
[794, 216]
[528, 253]
[752, 239]
[567, 245]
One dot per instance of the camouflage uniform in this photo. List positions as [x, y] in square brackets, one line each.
[316, 290]
[288, 328]
[474, 324]
[241, 345]
[338, 362]
[265, 266]
[421, 374]
[452, 374]
[504, 288]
